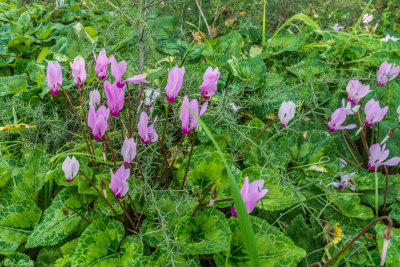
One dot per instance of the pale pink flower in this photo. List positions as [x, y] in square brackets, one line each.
[356, 91]
[118, 184]
[367, 19]
[70, 168]
[286, 112]
[373, 112]
[128, 151]
[54, 76]
[386, 73]
[337, 118]
[78, 71]
[147, 133]
[378, 156]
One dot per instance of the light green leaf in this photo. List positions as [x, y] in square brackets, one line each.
[17, 259]
[303, 18]
[12, 85]
[56, 227]
[100, 245]
[79, 42]
[274, 248]
[43, 54]
[16, 224]
[205, 233]
[161, 258]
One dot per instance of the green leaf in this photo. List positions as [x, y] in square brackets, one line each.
[12, 85]
[79, 42]
[48, 256]
[16, 224]
[100, 245]
[161, 258]
[5, 171]
[282, 43]
[43, 54]
[22, 24]
[274, 248]
[17, 259]
[205, 233]
[308, 68]
[395, 211]
[392, 255]
[280, 196]
[303, 18]
[250, 70]
[204, 169]
[55, 228]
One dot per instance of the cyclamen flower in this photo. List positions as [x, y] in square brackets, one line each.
[350, 110]
[234, 107]
[373, 112]
[337, 118]
[118, 69]
[378, 155]
[97, 121]
[115, 97]
[189, 122]
[367, 18]
[147, 133]
[54, 76]
[356, 91]
[286, 112]
[209, 85]
[398, 111]
[70, 168]
[386, 73]
[151, 96]
[388, 37]
[344, 182]
[102, 62]
[336, 27]
[78, 71]
[118, 184]
[128, 151]
[251, 194]
[94, 97]
[388, 233]
[174, 83]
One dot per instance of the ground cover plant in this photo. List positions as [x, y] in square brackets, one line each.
[199, 133]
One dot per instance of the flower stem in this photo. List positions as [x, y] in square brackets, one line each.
[127, 215]
[112, 150]
[134, 210]
[387, 218]
[129, 112]
[190, 157]
[201, 201]
[79, 121]
[386, 188]
[98, 191]
[66, 213]
[348, 147]
[217, 201]
[255, 139]
[140, 168]
[162, 142]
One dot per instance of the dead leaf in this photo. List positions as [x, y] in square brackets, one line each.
[230, 20]
[243, 13]
[213, 30]
[199, 36]
[19, 126]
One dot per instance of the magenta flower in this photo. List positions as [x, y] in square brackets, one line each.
[141, 78]
[386, 73]
[209, 85]
[189, 122]
[251, 194]
[344, 182]
[97, 121]
[78, 71]
[115, 97]
[378, 155]
[286, 112]
[102, 62]
[174, 84]
[356, 91]
[147, 133]
[94, 98]
[118, 184]
[128, 151]
[118, 69]
[70, 168]
[373, 112]
[54, 76]
[367, 18]
[337, 118]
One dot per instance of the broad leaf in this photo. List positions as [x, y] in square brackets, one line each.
[17, 259]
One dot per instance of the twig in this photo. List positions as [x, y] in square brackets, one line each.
[255, 139]
[122, 12]
[201, 201]
[204, 18]
[66, 213]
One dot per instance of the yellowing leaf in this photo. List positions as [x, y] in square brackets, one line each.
[316, 168]
[337, 235]
[19, 126]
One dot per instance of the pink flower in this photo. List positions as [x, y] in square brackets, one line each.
[344, 182]
[54, 77]
[118, 69]
[373, 112]
[97, 121]
[78, 71]
[386, 73]
[118, 184]
[102, 62]
[94, 97]
[356, 91]
[151, 96]
[128, 151]
[115, 97]
[398, 111]
[337, 118]
[209, 85]
[174, 84]
[388, 233]
[251, 194]
[286, 112]
[367, 18]
[147, 133]
[70, 168]
[378, 155]
[189, 122]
